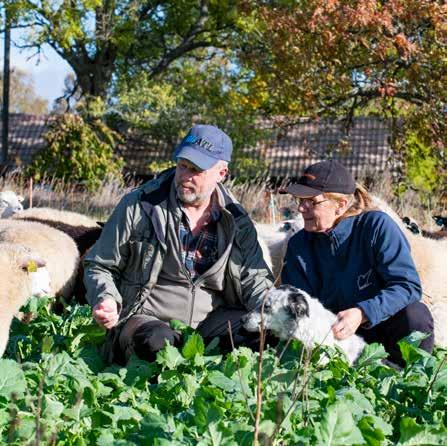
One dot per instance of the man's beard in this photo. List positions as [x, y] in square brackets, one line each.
[191, 197]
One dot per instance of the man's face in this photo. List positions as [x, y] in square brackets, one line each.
[195, 186]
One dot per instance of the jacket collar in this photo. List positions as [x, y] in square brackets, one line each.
[156, 193]
[340, 233]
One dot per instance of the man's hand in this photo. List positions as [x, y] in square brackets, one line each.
[105, 313]
[347, 323]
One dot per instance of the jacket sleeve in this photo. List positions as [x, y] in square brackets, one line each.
[255, 276]
[395, 266]
[105, 261]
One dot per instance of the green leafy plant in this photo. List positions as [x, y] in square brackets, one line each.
[78, 151]
[56, 390]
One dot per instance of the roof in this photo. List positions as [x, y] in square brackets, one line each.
[287, 151]
[25, 136]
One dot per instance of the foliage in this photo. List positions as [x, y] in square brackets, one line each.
[245, 169]
[98, 39]
[365, 49]
[78, 151]
[63, 394]
[212, 92]
[344, 57]
[157, 167]
[422, 166]
[22, 94]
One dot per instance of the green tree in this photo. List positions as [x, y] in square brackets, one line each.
[213, 91]
[98, 38]
[23, 97]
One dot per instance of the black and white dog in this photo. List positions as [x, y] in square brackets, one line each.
[291, 313]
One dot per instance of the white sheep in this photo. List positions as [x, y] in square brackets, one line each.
[57, 249]
[10, 203]
[290, 313]
[430, 258]
[67, 217]
[23, 275]
[276, 238]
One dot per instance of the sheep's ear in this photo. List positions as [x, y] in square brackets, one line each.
[31, 265]
[298, 305]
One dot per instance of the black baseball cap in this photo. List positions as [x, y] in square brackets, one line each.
[325, 176]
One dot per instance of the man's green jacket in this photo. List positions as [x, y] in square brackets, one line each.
[125, 261]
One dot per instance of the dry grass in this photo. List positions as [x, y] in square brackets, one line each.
[263, 204]
[61, 195]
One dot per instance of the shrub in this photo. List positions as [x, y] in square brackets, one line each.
[422, 165]
[159, 166]
[245, 168]
[78, 151]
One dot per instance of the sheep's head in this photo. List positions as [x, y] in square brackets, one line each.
[10, 203]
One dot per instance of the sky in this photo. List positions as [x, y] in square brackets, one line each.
[48, 74]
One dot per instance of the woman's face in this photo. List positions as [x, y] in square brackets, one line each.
[319, 213]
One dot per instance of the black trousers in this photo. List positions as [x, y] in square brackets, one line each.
[414, 317]
[145, 336]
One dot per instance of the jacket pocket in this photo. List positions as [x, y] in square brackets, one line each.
[141, 255]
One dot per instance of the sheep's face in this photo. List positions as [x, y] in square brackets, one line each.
[40, 282]
[284, 307]
[10, 204]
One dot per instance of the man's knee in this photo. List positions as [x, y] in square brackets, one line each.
[144, 338]
[151, 337]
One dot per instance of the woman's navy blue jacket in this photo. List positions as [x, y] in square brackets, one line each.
[364, 261]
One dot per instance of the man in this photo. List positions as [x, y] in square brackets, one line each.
[178, 247]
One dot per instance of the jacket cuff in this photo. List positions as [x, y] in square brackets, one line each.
[370, 313]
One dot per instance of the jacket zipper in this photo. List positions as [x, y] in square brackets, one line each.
[193, 299]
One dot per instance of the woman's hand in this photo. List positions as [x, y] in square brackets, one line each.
[347, 323]
[105, 313]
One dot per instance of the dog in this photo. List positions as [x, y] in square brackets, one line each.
[290, 312]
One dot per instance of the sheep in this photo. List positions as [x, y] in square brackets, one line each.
[290, 312]
[414, 227]
[19, 283]
[84, 236]
[67, 217]
[276, 238]
[10, 203]
[430, 258]
[57, 249]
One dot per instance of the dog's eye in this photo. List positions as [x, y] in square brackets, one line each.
[267, 307]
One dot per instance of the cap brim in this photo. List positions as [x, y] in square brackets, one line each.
[196, 157]
[301, 191]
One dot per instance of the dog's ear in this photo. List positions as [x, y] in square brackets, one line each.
[298, 305]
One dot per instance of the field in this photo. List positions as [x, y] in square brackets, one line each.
[56, 390]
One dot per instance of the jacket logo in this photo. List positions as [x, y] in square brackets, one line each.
[364, 280]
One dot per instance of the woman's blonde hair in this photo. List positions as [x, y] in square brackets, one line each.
[358, 202]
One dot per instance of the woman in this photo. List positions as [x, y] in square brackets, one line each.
[355, 260]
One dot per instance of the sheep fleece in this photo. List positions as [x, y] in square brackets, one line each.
[57, 249]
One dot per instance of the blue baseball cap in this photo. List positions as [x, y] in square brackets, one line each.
[204, 146]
